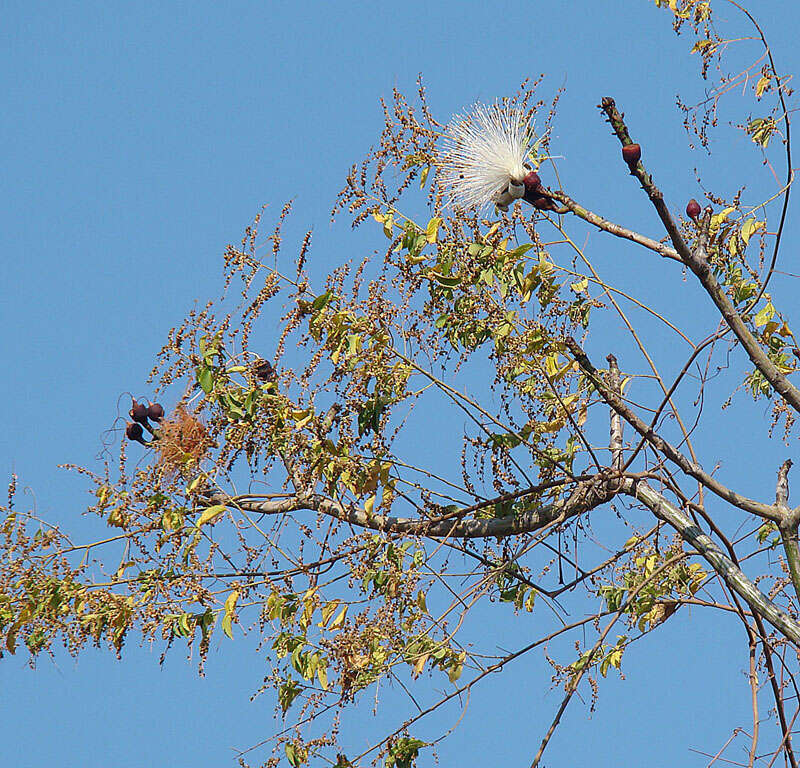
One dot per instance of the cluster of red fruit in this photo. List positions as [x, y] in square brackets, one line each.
[140, 413]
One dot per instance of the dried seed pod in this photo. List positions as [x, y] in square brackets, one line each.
[155, 412]
[693, 209]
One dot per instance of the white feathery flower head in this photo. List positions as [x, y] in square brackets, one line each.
[485, 149]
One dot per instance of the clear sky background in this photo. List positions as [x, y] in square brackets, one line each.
[138, 139]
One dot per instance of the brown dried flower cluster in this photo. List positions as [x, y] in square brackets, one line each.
[183, 441]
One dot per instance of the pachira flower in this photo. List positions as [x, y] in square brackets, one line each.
[487, 154]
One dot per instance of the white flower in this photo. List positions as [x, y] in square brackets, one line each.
[485, 150]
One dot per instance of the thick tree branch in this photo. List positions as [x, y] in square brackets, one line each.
[788, 525]
[719, 561]
[689, 467]
[585, 496]
[697, 261]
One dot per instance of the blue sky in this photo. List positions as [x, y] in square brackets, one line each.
[138, 139]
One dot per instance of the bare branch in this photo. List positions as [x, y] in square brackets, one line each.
[692, 469]
[782, 488]
[612, 228]
[697, 261]
[615, 442]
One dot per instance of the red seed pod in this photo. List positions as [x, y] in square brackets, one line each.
[134, 431]
[138, 412]
[631, 153]
[155, 412]
[693, 209]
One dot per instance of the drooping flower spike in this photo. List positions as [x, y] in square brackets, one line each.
[487, 153]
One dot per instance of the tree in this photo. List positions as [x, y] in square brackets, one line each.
[282, 491]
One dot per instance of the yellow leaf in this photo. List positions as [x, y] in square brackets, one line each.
[719, 218]
[762, 86]
[230, 602]
[766, 314]
[193, 485]
[322, 674]
[432, 230]
[379, 217]
[424, 176]
[369, 505]
[227, 620]
[302, 417]
[327, 612]
[339, 620]
[749, 228]
[419, 665]
[210, 514]
[492, 230]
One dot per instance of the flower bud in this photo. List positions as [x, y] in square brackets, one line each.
[631, 153]
[138, 412]
[542, 203]
[693, 209]
[532, 181]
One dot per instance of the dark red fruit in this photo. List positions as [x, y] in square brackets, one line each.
[138, 412]
[631, 153]
[155, 412]
[264, 371]
[134, 431]
[693, 209]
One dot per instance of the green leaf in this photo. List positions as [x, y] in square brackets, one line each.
[520, 250]
[321, 301]
[205, 378]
